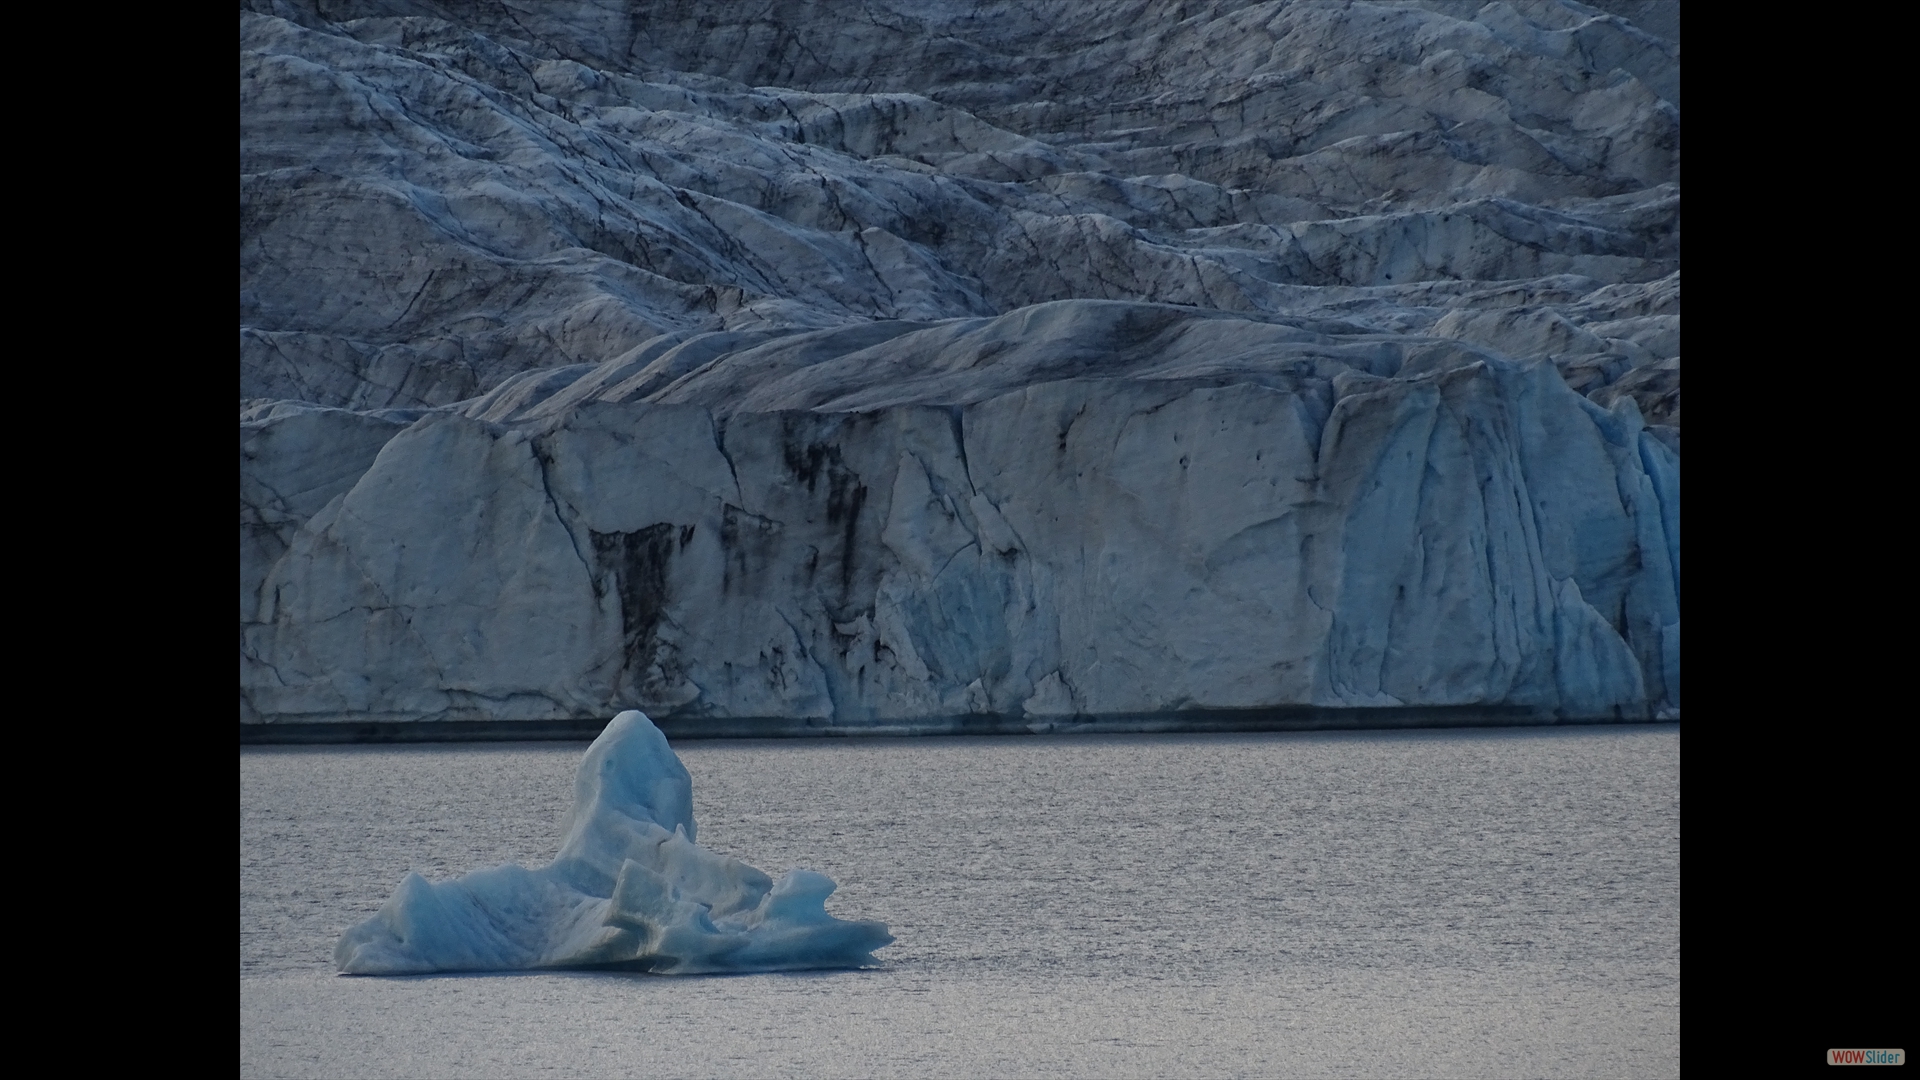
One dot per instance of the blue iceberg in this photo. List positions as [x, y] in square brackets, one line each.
[630, 890]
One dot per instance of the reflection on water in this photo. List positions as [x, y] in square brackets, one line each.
[1463, 902]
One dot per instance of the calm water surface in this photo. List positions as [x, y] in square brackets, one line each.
[1449, 903]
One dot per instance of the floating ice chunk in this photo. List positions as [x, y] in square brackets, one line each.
[630, 890]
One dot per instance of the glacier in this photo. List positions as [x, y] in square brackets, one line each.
[1023, 365]
[630, 891]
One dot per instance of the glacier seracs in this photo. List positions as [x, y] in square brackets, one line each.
[630, 890]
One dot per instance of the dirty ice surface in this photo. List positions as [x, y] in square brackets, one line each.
[630, 890]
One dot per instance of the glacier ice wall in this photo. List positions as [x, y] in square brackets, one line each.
[630, 890]
[1080, 508]
[1035, 359]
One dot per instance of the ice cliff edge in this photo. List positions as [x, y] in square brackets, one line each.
[630, 890]
[1183, 512]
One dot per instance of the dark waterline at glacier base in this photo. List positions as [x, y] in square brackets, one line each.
[1468, 902]
[1189, 722]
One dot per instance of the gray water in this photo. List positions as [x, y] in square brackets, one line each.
[1442, 903]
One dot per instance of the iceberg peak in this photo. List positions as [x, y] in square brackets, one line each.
[629, 890]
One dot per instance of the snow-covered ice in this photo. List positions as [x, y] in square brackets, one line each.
[630, 890]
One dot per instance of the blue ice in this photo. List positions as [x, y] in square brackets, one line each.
[630, 890]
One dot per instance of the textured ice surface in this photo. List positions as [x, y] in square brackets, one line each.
[629, 890]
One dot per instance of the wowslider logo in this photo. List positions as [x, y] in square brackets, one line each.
[1866, 1057]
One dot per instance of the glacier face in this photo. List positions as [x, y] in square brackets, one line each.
[1201, 519]
[1029, 360]
[630, 890]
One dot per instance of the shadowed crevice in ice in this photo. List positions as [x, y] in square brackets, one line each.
[630, 890]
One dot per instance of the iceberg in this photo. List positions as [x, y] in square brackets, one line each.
[630, 890]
